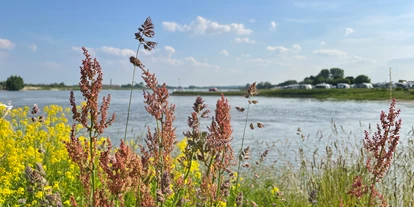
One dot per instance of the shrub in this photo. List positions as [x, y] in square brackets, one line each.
[14, 83]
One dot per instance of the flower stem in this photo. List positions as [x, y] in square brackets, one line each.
[130, 95]
[241, 149]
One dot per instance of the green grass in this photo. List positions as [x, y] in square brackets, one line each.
[338, 94]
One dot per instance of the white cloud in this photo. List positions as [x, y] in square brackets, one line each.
[197, 64]
[33, 47]
[6, 44]
[296, 47]
[117, 51]
[277, 48]
[348, 31]
[244, 40]
[224, 52]
[170, 50]
[322, 43]
[273, 25]
[260, 61]
[252, 20]
[201, 26]
[299, 57]
[172, 26]
[335, 53]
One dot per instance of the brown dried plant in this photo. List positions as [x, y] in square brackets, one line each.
[94, 119]
[381, 146]
[244, 152]
[146, 30]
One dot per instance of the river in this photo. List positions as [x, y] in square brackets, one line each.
[282, 117]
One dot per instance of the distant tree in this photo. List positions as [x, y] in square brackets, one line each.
[325, 73]
[362, 79]
[267, 85]
[62, 84]
[192, 87]
[14, 83]
[288, 82]
[2, 84]
[309, 80]
[320, 79]
[351, 79]
[340, 80]
[264, 85]
[336, 73]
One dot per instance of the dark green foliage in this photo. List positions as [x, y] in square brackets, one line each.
[325, 73]
[336, 73]
[351, 79]
[362, 79]
[264, 85]
[14, 83]
[288, 82]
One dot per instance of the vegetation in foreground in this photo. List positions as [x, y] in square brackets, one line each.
[42, 165]
[337, 94]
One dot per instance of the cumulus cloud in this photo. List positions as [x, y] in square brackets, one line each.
[244, 40]
[170, 50]
[201, 26]
[259, 61]
[348, 31]
[295, 48]
[33, 47]
[117, 51]
[332, 53]
[224, 52]
[6, 44]
[273, 25]
[277, 48]
[193, 62]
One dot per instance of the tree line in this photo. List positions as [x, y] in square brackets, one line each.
[332, 76]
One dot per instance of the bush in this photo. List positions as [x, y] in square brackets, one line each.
[14, 83]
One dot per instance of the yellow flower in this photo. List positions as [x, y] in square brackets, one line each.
[274, 191]
[221, 204]
[39, 195]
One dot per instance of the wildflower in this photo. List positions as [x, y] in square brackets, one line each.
[274, 191]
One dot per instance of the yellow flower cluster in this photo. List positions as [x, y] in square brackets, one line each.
[27, 140]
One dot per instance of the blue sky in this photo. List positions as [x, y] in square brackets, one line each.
[208, 42]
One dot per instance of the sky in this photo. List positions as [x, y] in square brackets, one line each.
[208, 42]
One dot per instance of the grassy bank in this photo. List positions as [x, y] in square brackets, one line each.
[339, 94]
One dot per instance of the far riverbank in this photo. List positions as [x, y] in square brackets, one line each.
[337, 94]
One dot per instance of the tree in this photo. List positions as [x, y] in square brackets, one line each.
[324, 73]
[362, 79]
[351, 79]
[320, 79]
[309, 80]
[14, 83]
[336, 73]
[288, 82]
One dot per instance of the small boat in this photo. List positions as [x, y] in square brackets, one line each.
[212, 89]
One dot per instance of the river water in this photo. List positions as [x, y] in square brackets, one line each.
[282, 117]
